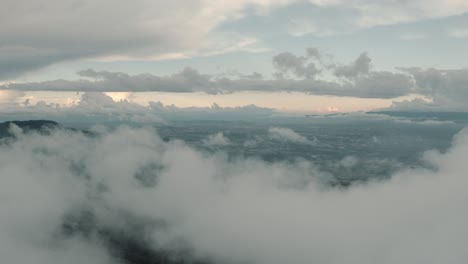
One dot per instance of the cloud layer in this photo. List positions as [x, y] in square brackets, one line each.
[295, 74]
[228, 211]
[55, 31]
[95, 107]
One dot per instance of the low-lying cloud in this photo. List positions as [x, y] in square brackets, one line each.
[218, 139]
[288, 135]
[218, 209]
[99, 107]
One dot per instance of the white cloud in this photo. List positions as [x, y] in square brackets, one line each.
[217, 139]
[288, 135]
[225, 210]
[349, 161]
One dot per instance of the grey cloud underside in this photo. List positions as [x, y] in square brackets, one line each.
[441, 83]
[378, 85]
[40, 33]
[360, 66]
[447, 89]
[294, 74]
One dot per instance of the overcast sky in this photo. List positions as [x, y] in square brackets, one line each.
[304, 56]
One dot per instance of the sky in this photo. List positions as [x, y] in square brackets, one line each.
[290, 55]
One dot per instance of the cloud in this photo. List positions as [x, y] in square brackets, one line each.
[388, 12]
[217, 139]
[295, 74]
[360, 66]
[445, 88]
[459, 33]
[310, 73]
[332, 18]
[95, 107]
[130, 182]
[349, 161]
[288, 135]
[53, 31]
[299, 66]
[425, 122]
[10, 96]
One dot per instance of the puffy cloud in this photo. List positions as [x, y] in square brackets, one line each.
[383, 84]
[95, 107]
[417, 104]
[358, 81]
[360, 66]
[441, 83]
[217, 139]
[210, 207]
[446, 90]
[288, 135]
[299, 66]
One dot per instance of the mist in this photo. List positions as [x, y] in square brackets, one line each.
[65, 196]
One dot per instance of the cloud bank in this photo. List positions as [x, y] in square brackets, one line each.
[54, 31]
[294, 74]
[311, 73]
[225, 211]
[95, 107]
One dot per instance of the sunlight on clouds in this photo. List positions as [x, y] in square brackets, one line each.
[7, 96]
[287, 102]
[118, 96]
